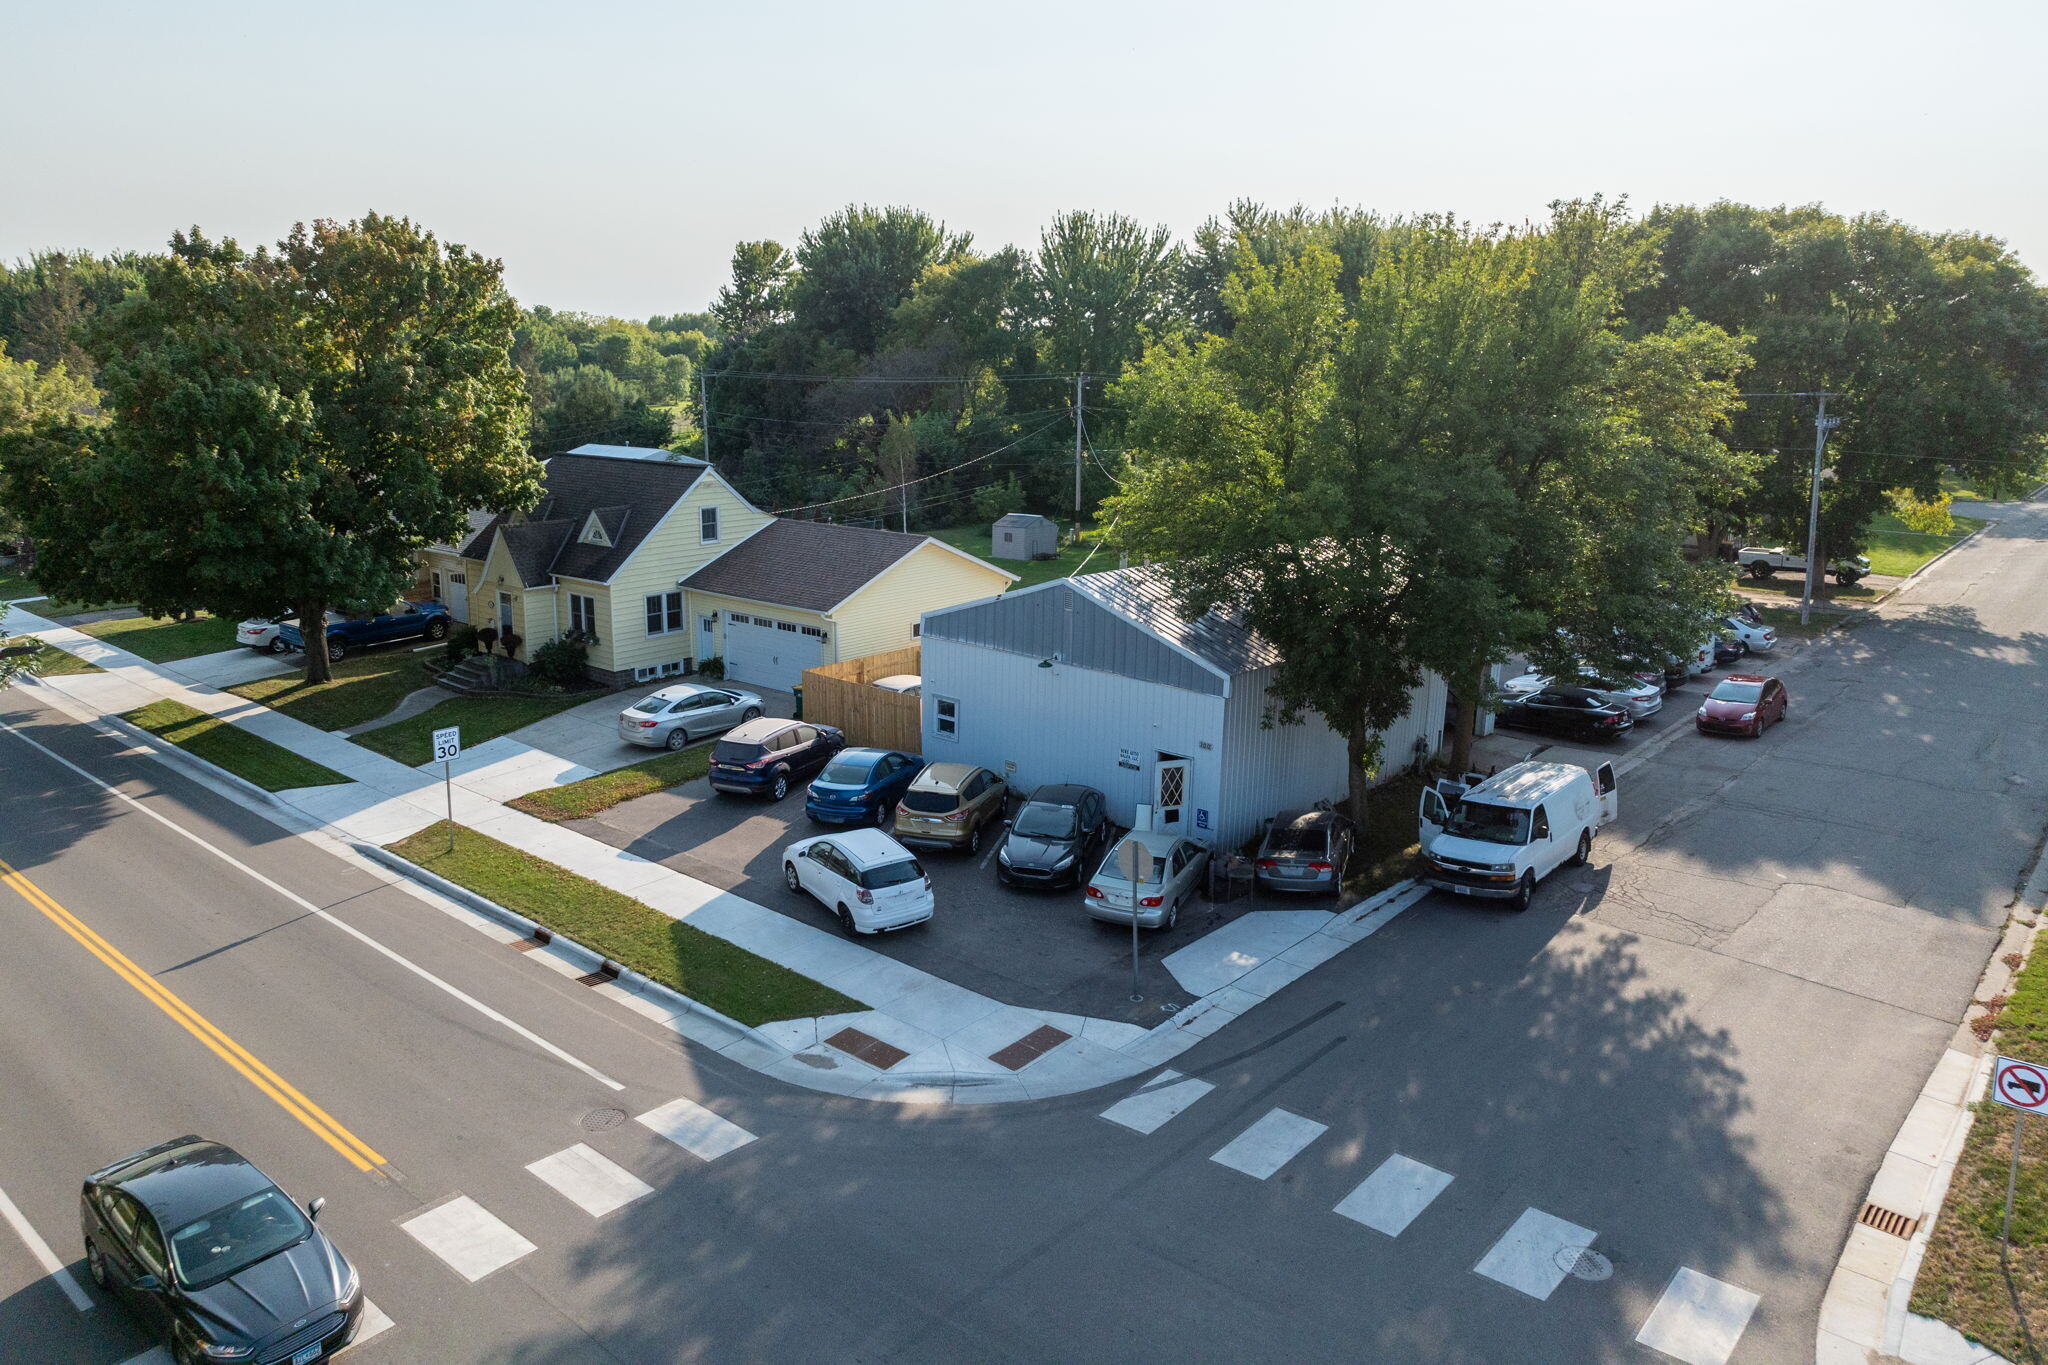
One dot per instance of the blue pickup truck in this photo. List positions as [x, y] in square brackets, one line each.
[402, 621]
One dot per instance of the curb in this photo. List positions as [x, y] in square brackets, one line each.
[192, 764]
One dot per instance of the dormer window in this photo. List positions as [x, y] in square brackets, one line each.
[707, 525]
[593, 532]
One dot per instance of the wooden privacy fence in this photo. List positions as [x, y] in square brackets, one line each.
[843, 694]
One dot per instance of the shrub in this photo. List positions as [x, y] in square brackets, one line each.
[713, 667]
[461, 643]
[511, 642]
[999, 499]
[560, 662]
[487, 636]
[1931, 518]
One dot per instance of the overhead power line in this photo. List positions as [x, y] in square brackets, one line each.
[926, 478]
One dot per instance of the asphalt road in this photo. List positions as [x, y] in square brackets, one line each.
[1697, 1049]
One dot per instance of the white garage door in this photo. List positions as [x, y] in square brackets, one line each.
[758, 649]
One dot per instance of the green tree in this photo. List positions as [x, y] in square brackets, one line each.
[757, 295]
[1103, 283]
[288, 427]
[858, 265]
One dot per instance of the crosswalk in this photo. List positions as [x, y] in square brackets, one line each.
[1698, 1319]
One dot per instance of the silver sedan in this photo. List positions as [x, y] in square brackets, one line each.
[683, 714]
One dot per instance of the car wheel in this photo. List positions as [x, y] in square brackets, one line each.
[335, 649]
[973, 840]
[781, 787]
[437, 630]
[751, 713]
[277, 645]
[678, 738]
[1585, 850]
[1759, 569]
[1756, 728]
[96, 1264]
[789, 878]
[1172, 914]
[846, 921]
[1525, 891]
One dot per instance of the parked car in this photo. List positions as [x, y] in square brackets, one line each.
[1727, 650]
[1305, 850]
[1742, 704]
[214, 1259]
[869, 882]
[1054, 837]
[1498, 838]
[1575, 712]
[1761, 561]
[1154, 902]
[265, 632]
[910, 684]
[766, 756]
[680, 715]
[949, 805]
[1642, 695]
[861, 786]
[400, 621]
[1754, 636]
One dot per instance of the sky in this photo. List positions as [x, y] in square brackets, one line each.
[611, 153]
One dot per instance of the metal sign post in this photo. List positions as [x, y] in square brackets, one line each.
[2022, 1086]
[447, 748]
[1134, 865]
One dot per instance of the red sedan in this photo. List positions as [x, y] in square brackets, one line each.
[1742, 704]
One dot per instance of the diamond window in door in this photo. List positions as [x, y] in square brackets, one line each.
[1173, 785]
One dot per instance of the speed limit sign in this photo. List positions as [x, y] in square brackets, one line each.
[447, 743]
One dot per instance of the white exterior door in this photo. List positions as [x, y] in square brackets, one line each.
[1171, 793]
[767, 654]
[458, 596]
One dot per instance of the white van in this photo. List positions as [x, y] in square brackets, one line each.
[1498, 837]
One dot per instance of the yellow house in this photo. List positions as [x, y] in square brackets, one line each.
[657, 563]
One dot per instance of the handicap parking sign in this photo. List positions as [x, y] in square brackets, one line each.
[1201, 818]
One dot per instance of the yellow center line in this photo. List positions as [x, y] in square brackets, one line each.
[357, 1152]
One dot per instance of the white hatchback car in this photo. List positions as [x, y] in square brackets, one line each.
[868, 881]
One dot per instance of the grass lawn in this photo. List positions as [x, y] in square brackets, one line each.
[1895, 550]
[14, 583]
[163, 641]
[1389, 847]
[975, 540]
[1785, 620]
[411, 741]
[270, 766]
[1961, 1281]
[579, 800]
[733, 981]
[52, 662]
[365, 686]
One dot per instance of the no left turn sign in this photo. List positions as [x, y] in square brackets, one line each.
[2020, 1085]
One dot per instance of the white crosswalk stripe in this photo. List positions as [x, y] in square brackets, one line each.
[695, 1129]
[1269, 1144]
[1391, 1197]
[590, 1180]
[1162, 1098]
[472, 1240]
[1532, 1255]
[1698, 1319]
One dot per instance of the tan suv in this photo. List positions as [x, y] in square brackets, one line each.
[948, 805]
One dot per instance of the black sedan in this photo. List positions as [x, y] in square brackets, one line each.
[1728, 650]
[1574, 712]
[216, 1259]
[1054, 838]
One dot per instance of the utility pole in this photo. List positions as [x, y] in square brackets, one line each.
[704, 409]
[1079, 380]
[1822, 424]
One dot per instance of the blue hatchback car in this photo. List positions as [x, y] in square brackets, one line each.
[400, 621]
[861, 786]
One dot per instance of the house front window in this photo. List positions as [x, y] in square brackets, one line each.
[582, 614]
[664, 612]
[707, 525]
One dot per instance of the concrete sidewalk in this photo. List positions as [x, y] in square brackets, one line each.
[945, 1039]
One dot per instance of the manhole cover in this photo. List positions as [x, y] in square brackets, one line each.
[1585, 1263]
[603, 1120]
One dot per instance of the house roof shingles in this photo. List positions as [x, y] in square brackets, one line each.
[575, 486]
[808, 565]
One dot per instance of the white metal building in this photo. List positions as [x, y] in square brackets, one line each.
[1099, 680]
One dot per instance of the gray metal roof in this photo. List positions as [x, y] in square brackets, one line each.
[1024, 519]
[1122, 621]
[650, 453]
[809, 565]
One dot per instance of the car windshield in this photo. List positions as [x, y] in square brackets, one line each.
[1109, 868]
[930, 802]
[1296, 839]
[1043, 820]
[1488, 824]
[1737, 691]
[235, 1237]
[731, 751]
[892, 874]
[648, 705]
[851, 771]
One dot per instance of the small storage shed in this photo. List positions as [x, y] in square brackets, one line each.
[1100, 680]
[1023, 535]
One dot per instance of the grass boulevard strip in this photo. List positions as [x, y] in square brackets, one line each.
[317, 1120]
[250, 757]
[594, 795]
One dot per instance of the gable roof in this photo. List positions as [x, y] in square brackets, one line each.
[651, 453]
[1218, 638]
[479, 521]
[630, 497]
[1025, 519]
[809, 565]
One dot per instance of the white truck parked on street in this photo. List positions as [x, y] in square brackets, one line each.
[1497, 837]
[1759, 561]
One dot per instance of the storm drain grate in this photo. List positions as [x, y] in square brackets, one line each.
[1887, 1220]
[603, 1120]
[872, 1050]
[1030, 1047]
[592, 979]
[1585, 1263]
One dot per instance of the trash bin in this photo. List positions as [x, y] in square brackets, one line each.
[798, 693]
